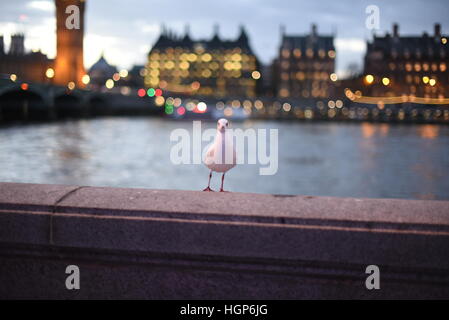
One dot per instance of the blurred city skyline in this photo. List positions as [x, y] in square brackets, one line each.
[125, 33]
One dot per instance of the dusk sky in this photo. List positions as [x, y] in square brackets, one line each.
[126, 30]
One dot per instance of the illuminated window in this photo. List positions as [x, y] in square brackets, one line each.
[309, 53]
[285, 53]
[184, 65]
[408, 78]
[284, 92]
[206, 57]
[300, 75]
[206, 73]
[192, 57]
[417, 67]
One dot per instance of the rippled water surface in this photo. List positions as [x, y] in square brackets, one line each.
[332, 159]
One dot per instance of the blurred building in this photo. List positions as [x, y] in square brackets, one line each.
[305, 66]
[24, 66]
[100, 72]
[69, 62]
[407, 65]
[2, 45]
[212, 67]
[267, 82]
[17, 46]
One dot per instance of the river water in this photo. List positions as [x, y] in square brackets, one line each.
[323, 159]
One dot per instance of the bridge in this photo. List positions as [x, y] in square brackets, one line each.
[22, 101]
[41, 102]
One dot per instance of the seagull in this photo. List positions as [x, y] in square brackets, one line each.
[221, 155]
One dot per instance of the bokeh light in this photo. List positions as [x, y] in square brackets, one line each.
[141, 92]
[201, 107]
[109, 84]
[159, 101]
[181, 111]
[256, 75]
[369, 79]
[50, 73]
[333, 77]
[116, 77]
[195, 85]
[85, 79]
[151, 92]
[123, 73]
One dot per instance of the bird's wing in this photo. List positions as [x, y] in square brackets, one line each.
[209, 156]
[210, 153]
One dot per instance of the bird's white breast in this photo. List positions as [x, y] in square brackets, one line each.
[221, 155]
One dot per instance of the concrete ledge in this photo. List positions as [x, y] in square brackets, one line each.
[136, 243]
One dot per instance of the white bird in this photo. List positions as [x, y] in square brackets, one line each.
[221, 155]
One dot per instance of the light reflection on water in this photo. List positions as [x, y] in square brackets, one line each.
[333, 159]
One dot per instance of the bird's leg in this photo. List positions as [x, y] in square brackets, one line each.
[222, 182]
[208, 185]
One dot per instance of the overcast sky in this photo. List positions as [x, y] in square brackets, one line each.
[126, 30]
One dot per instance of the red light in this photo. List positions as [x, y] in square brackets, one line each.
[158, 92]
[141, 93]
[181, 111]
[24, 86]
[195, 85]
